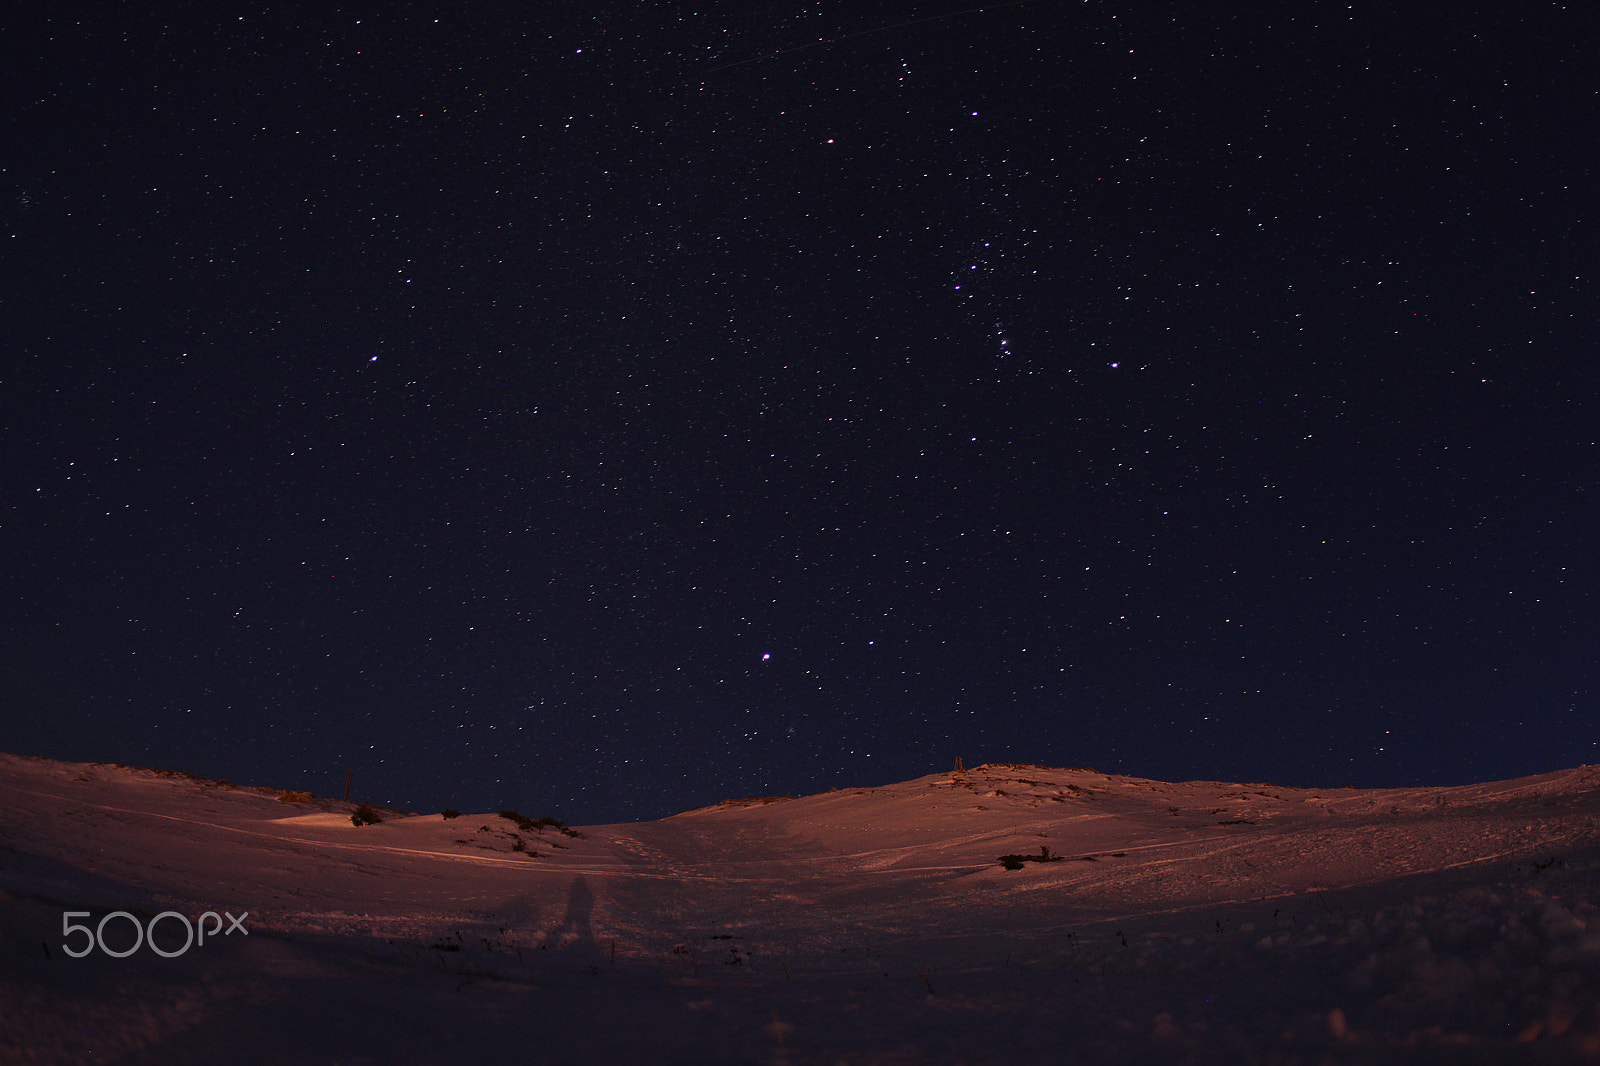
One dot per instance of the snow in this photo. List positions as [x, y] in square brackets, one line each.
[1203, 921]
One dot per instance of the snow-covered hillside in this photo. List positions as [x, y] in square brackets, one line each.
[1133, 921]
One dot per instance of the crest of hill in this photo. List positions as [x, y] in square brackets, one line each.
[1030, 784]
[178, 785]
[1021, 786]
[965, 818]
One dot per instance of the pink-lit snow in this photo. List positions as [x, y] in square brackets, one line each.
[1195, 922]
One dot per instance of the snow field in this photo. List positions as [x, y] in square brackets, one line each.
[1194, 922]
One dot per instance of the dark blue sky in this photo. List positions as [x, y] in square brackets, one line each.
[605, 410]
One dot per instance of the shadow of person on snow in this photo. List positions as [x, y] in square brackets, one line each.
[573, 939]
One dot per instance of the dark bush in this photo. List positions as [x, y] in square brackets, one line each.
[364, 815]
[1014, 862]
[537, 825]
[520, 820]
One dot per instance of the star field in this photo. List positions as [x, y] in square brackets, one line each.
[605, 411]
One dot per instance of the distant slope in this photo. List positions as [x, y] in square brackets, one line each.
[912, 859]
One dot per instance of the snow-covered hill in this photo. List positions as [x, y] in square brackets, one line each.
[1133, 920]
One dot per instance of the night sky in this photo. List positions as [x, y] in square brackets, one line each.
[608, 409]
